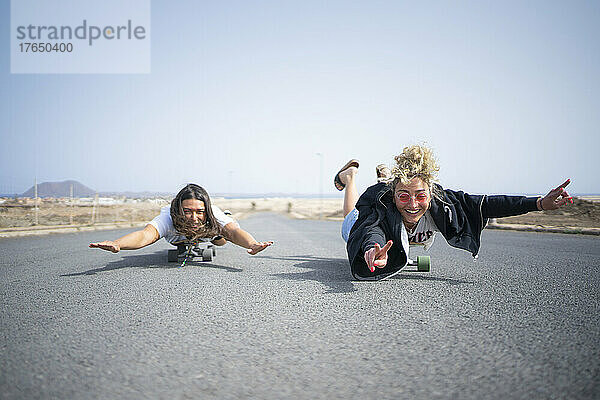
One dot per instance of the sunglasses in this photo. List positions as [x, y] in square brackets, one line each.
[404, 197]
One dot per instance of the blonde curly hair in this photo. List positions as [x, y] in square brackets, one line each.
[416, 161]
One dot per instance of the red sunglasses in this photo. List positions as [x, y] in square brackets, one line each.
[404, 197]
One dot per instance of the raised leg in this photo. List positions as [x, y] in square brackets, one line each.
[348, 177]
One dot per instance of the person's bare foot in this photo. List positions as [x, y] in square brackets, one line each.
[338, 183]
[383, 173]
[348, 174]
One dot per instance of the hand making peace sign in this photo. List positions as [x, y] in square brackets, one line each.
[555, 198]
[377, 256]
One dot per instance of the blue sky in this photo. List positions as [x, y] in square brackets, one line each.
[242, 95]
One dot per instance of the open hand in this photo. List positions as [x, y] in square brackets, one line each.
[258, 247]
[108, 245]
[377, 256]
[556, 197]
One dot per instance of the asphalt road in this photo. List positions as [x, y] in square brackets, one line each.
[522, 322]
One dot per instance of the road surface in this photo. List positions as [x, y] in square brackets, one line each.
[521, 322]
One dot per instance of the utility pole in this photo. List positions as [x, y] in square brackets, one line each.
[320, 185]
[94, 209]
[35, 205]
[71, 215]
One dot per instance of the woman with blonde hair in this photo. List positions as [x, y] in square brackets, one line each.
[408, 206]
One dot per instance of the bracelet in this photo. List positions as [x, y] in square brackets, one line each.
[541, 207]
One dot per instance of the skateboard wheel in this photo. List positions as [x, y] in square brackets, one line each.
[213, 248]
[172, 255]
[423, 263]
[207, 255]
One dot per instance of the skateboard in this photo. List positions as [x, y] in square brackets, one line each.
[190, 250]
[423, 264]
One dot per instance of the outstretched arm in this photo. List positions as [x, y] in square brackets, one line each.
[131, 241]
[237, 235]
[500, 206]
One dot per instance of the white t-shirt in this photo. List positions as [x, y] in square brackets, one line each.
[164, 224]
[422, 234]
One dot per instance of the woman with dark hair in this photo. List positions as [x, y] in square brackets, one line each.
[191, 216]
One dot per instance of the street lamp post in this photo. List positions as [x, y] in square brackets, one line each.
[320, 185]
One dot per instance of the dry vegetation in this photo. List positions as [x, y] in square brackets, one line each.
[582, 214]
[21, 212]
[55, 212]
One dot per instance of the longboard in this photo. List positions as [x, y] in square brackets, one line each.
[190, 250]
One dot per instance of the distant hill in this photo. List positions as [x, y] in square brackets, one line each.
[60, 189]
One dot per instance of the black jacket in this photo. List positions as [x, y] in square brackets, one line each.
[460, 218]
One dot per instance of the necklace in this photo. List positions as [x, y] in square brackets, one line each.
[410, 227]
